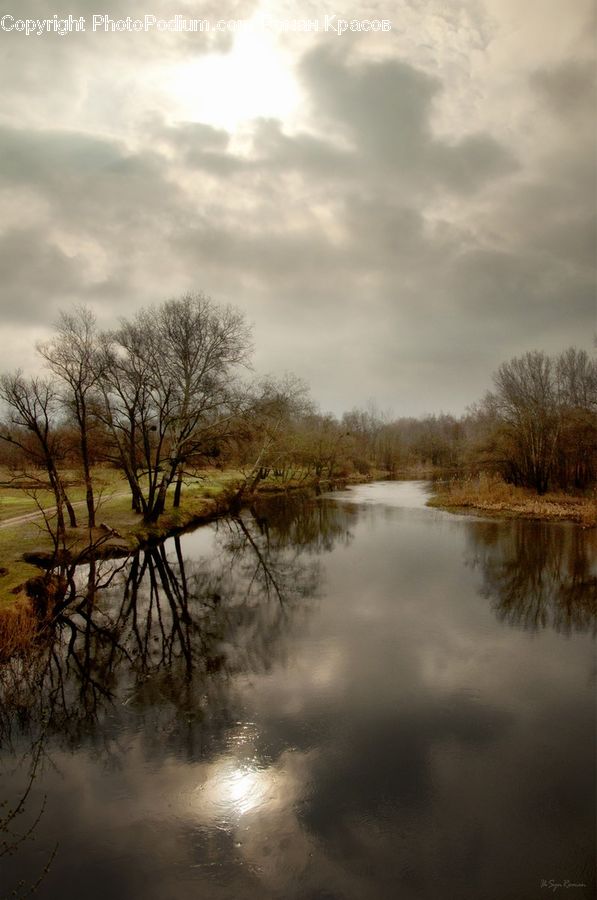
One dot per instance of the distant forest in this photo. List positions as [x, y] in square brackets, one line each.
[170, 392]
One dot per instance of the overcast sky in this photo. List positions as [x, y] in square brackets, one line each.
[396, 212]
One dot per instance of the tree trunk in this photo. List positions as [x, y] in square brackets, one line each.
[136, 496]
[178, 489]
[89, 491]
[89, 500]
[60, 536]
[159, 504]
[72, 518]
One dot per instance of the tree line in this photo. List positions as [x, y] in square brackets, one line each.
[170, 391]
[537, 428]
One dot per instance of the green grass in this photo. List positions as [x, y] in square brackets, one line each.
[14, 541]
[17, 501]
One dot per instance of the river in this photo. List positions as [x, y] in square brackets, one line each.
[349, 697]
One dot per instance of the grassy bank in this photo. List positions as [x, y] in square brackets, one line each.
[119, 528]
[26, 545]
[492, 495]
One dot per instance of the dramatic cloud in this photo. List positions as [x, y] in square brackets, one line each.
[396, 212]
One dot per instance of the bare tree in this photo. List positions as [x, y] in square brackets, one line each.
[128, 410]
[545, 411]
[272, 439]
[323, 439]
[525, 402]
[171, 390]
[576, 384]
[33, 406]
[73, 355]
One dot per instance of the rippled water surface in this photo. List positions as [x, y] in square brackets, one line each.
[352, 696]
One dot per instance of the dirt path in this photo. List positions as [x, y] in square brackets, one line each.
[28, 517]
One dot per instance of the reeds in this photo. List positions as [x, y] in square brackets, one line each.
[19, 627]
[491, 494]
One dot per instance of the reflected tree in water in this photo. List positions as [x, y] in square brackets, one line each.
[537, 574]
[296, 520]
[156, 638]
[18, 824]
[160, 632]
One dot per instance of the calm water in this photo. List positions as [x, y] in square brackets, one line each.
[346, 697]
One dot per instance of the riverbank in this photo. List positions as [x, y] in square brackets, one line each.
[26, 546]
[26, 550]
[20, 607]
[494, 497]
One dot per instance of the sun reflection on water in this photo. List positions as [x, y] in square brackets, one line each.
[233, 789]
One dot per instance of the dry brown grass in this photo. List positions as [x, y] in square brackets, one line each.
[493, 495]
[18, 628]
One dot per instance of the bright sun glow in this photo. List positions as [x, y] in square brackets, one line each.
[246, 790]
[233, 791]
[226, 89]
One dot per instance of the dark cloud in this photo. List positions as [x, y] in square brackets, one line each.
[385, 108]
[568, 89]
[36, 276]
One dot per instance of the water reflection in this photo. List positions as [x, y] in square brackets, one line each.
[231, 790]
[537, 574]
[159, 625]
[312, 700]
[156, 640]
